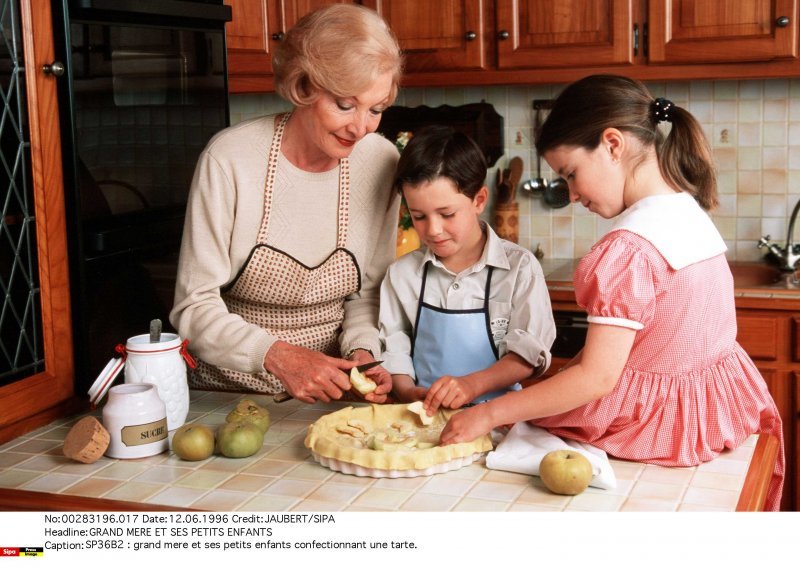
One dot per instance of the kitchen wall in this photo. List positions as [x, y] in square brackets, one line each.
[754, 127]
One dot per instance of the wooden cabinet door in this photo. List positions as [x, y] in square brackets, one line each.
[719, 31]
[568, 33]
[255, 29]
[249, 36]
[30, 393]
[446, 35]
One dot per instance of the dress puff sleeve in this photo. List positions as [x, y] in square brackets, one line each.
[615, 284]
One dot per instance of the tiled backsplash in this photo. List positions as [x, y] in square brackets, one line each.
[754, 128]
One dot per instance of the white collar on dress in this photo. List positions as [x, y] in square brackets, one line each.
[676, 225]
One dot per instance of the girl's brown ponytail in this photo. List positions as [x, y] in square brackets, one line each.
[589, 106]
[685, 159]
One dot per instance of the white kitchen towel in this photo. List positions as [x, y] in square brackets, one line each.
[524, 446]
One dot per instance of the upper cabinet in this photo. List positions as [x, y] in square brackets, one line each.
[256, 28]
[570, 33]
[504, 42]
[448, 34]
[721, 31]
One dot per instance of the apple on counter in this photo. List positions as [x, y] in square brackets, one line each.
[565, 472]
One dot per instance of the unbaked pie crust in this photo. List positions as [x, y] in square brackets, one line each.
[342, 441]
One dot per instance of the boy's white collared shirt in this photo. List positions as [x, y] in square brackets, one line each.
[521, 318]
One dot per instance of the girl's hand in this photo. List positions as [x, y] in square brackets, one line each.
[308, 375]
[467, 425]
[450, 392]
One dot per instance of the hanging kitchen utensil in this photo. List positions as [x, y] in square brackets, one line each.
[538, 183]
[555, 192]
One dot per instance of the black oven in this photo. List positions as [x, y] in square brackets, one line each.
[144, 88]
[571, 328]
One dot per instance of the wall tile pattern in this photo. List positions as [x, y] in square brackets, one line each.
[754, 128]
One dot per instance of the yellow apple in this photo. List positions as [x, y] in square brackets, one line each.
[249, 411]
[193, 442]
[565, 472]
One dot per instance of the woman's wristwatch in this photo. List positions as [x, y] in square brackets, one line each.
[354, 349]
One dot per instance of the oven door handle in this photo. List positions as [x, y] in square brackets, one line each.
[171, 8]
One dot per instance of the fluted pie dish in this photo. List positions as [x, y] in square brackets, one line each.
[388, 441]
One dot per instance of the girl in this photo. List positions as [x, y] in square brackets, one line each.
[661, 378]
[469, 316]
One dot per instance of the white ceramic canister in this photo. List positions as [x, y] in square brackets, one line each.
[163, 365]
[136, 420]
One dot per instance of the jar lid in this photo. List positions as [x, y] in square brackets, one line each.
[104, 380]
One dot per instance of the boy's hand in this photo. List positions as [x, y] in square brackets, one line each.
[467, 425]
[450, 392]
[405, 390]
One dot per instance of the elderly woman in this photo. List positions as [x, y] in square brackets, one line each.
[291, 221]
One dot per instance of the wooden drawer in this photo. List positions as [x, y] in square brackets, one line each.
[759, 336]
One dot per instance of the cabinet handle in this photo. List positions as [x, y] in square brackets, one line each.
[278, 36]
[782, 22]
[470, 36]
[55, 68]
[503, 34]
[635, 39]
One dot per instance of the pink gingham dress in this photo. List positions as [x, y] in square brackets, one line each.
[688, 390]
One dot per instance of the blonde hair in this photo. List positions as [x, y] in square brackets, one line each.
[341, 49]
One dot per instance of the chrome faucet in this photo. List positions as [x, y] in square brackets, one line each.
[790, 254]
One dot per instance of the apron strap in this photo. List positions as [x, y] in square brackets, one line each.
[419, 307]
[272, 168]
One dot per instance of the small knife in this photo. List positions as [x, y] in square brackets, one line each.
[366, 366]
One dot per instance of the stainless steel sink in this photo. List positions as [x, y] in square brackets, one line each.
[758, 275]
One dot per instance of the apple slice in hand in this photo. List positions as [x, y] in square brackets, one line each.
[417, 408]
[361, 382]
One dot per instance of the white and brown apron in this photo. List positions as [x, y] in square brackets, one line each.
[296, 303]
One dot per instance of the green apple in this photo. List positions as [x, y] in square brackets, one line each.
[361, 382]
[193, 442]
[249, 411]
[565, 472]
[239, 439]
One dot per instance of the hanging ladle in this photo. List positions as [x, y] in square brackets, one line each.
[555, 192]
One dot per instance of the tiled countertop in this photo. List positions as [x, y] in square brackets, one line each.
[283, 476]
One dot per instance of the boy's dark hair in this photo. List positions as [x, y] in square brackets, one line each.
[441, 151]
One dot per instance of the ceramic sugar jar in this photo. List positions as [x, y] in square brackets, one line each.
[163, 364]
[135, 417]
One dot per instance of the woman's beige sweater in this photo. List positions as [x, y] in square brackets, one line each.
[223, 217]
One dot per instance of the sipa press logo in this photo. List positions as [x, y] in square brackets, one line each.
[21, 551]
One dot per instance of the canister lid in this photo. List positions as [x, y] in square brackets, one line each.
[105, 379]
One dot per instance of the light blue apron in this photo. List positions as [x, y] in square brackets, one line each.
[453, 342]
